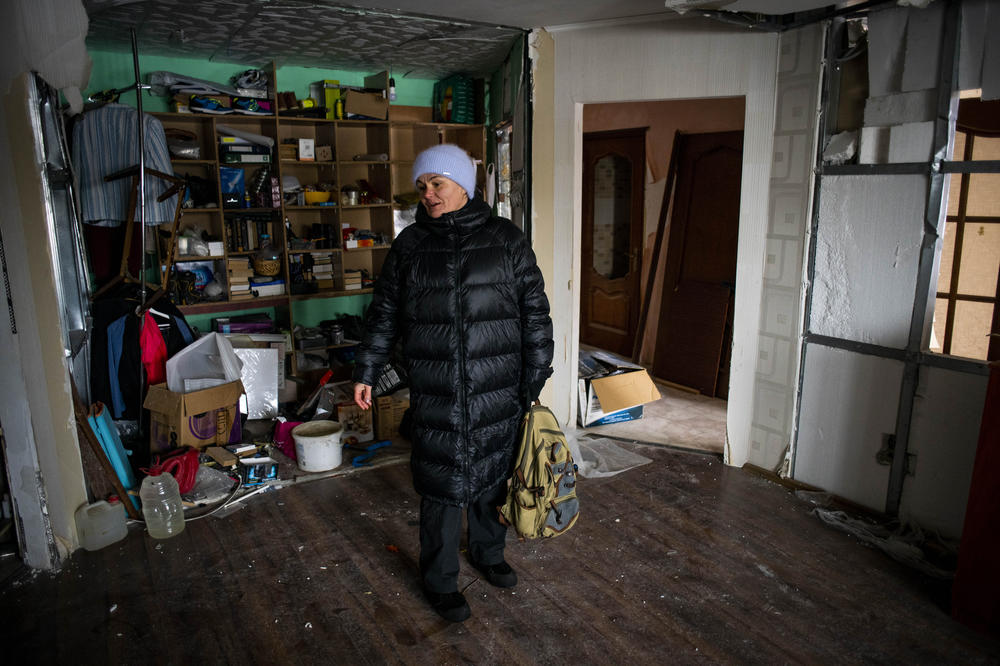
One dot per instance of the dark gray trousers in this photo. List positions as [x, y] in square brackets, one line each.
[441, 533]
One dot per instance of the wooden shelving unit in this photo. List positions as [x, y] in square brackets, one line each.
[408, 131]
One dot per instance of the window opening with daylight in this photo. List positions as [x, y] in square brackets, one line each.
[966, 316]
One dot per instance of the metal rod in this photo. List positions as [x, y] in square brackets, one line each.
[894, 169]
[928, 249]
[865, 348]
[142, 175]
[830, 77]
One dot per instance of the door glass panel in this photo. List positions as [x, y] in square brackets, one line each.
[612, 211]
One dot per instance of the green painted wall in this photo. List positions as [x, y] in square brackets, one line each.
[113, 69]
[315, 310]
[306, 313]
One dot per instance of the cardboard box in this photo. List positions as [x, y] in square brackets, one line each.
[372, 105]
[337, 403]
[357, 423]
[199, 419]
[389, 410]
[612, 390]
[324, 153]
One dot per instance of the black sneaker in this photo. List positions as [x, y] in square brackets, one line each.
[452, 606]
[498, 575]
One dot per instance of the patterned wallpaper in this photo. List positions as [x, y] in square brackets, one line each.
[776, 380]
[300, 32]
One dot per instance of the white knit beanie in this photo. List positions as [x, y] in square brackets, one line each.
[449, 161]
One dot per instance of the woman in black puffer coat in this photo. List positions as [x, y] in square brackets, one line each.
[461, 289]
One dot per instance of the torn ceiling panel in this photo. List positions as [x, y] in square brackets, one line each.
[301, 32]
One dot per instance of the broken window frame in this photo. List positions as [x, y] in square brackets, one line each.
[952, 296]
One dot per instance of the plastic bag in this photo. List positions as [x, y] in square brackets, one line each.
[208, 361]
[597, 458]
[210, 485]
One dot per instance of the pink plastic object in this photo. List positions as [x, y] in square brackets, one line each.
[283, 437]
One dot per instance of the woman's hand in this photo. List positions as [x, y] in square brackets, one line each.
[363, 395]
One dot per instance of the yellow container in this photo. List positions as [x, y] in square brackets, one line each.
[316, 197]
[326, 92]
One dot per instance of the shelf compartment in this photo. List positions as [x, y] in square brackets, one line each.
[227, 306]
[330, 294]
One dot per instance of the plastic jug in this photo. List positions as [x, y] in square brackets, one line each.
[161, 506]
[101, 524]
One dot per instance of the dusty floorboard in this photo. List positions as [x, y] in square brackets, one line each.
[679, 561]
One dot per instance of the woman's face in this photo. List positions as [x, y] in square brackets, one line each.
[440, 194]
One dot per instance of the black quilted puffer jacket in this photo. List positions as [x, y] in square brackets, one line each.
[464, 294]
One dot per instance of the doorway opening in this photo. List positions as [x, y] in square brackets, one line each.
[660, 220]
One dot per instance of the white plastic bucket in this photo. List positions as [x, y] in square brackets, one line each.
[317, 445]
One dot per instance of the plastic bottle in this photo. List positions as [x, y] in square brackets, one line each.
[161, 506]
[101, 524]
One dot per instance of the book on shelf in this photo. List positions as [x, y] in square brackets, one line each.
[268, 287]
[244, 158]
[239, 286]
[251, 148]
[275, 290]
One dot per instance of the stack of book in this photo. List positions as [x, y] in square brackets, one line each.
[265, 286]
[323, 270]
[352, 280]
[236, 150]
[239, 278]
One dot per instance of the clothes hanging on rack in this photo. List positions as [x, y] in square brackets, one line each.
[122, 340]
[104, 142]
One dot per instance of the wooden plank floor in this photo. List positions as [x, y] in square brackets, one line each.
[679, 561]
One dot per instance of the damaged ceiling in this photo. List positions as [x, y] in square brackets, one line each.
[417, 38]
[304, 33]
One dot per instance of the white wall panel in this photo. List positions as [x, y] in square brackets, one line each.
[867, 250]
[677, 59]
[849, 401]
[944, 435]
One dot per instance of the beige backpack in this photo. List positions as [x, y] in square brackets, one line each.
[541, 500]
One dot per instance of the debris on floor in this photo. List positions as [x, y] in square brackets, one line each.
[600, 457]
[907, 544]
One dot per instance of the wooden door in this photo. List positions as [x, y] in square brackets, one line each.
[695, 326]
[614, 172]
